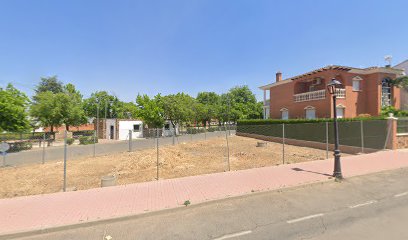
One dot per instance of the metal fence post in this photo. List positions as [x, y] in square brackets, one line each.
[174, 133]
[205, 133]
[157, 153]
[65, 161]
[362, 135]
[327, 140]
[130, 140]
[43, 152]
[228, 151]
[94, 144]
[4, 158]
[283, 143]
[4, 153]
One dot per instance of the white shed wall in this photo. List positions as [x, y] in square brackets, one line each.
[125, 126]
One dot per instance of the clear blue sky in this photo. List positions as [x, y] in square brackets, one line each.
[152, 46]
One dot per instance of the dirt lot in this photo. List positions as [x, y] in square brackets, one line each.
[185, 159]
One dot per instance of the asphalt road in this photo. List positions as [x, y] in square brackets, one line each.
[368, 207]
[79, 151]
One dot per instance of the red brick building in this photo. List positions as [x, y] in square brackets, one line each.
[363, 91]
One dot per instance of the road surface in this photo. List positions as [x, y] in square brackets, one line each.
[368, 207]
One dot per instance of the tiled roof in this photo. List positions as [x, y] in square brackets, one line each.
[329, 67]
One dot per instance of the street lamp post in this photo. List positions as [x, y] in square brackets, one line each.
[332, 87]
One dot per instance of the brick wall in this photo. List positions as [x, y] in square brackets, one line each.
[367, 100]
[402, 141]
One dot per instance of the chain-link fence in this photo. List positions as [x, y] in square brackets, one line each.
[79, 161]
[354, 136]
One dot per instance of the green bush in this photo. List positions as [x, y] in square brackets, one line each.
[213, 129]
[21, 136]
[78, 134]
[20, 146]
[85, 140]
[385, 111]
[70, 141]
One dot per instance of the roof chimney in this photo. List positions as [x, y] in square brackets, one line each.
[278, 76]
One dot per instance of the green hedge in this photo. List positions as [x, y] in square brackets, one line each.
[213, 129]
[195, 130]
[85, 140]
[70, 141]
[78, 134]
[292, 121]
[374, 130]
[19, 146]
[21, 136]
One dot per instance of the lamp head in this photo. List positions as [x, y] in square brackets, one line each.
[332, 85]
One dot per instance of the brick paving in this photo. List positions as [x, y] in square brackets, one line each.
[38, 212]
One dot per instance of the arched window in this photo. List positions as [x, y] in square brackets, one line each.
[285, 113]
[356, 83]
[340, 111]
[310, 112]
[386, 92]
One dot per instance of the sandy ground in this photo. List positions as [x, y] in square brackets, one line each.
[184, 159]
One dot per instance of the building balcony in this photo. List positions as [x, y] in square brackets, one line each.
[317, 95]
[267, 103]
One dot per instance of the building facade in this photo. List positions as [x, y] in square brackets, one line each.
[118, 129]
[404, 93]
[363, 91]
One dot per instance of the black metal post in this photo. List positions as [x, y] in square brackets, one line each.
[337, 165]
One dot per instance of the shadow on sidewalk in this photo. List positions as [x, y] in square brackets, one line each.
[302, 170]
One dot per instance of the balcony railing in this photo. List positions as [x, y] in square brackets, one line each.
[341, 93]
[317, 95]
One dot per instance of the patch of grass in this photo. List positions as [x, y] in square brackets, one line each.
[186, 203]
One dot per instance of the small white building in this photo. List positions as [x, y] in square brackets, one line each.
[168, 129]
[135, 126]
[118, 129]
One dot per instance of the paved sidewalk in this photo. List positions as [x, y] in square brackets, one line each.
[59, 209]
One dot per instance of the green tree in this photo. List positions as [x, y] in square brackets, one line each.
[150, 110]
[46, 110]
[71, 105]
[108, 105]
[401, 82]
[44, 105]
[126, 110]
[51, 84]
[206, 107]
[239, 103]
[54, 107]
[13, 106]
[178, 108]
